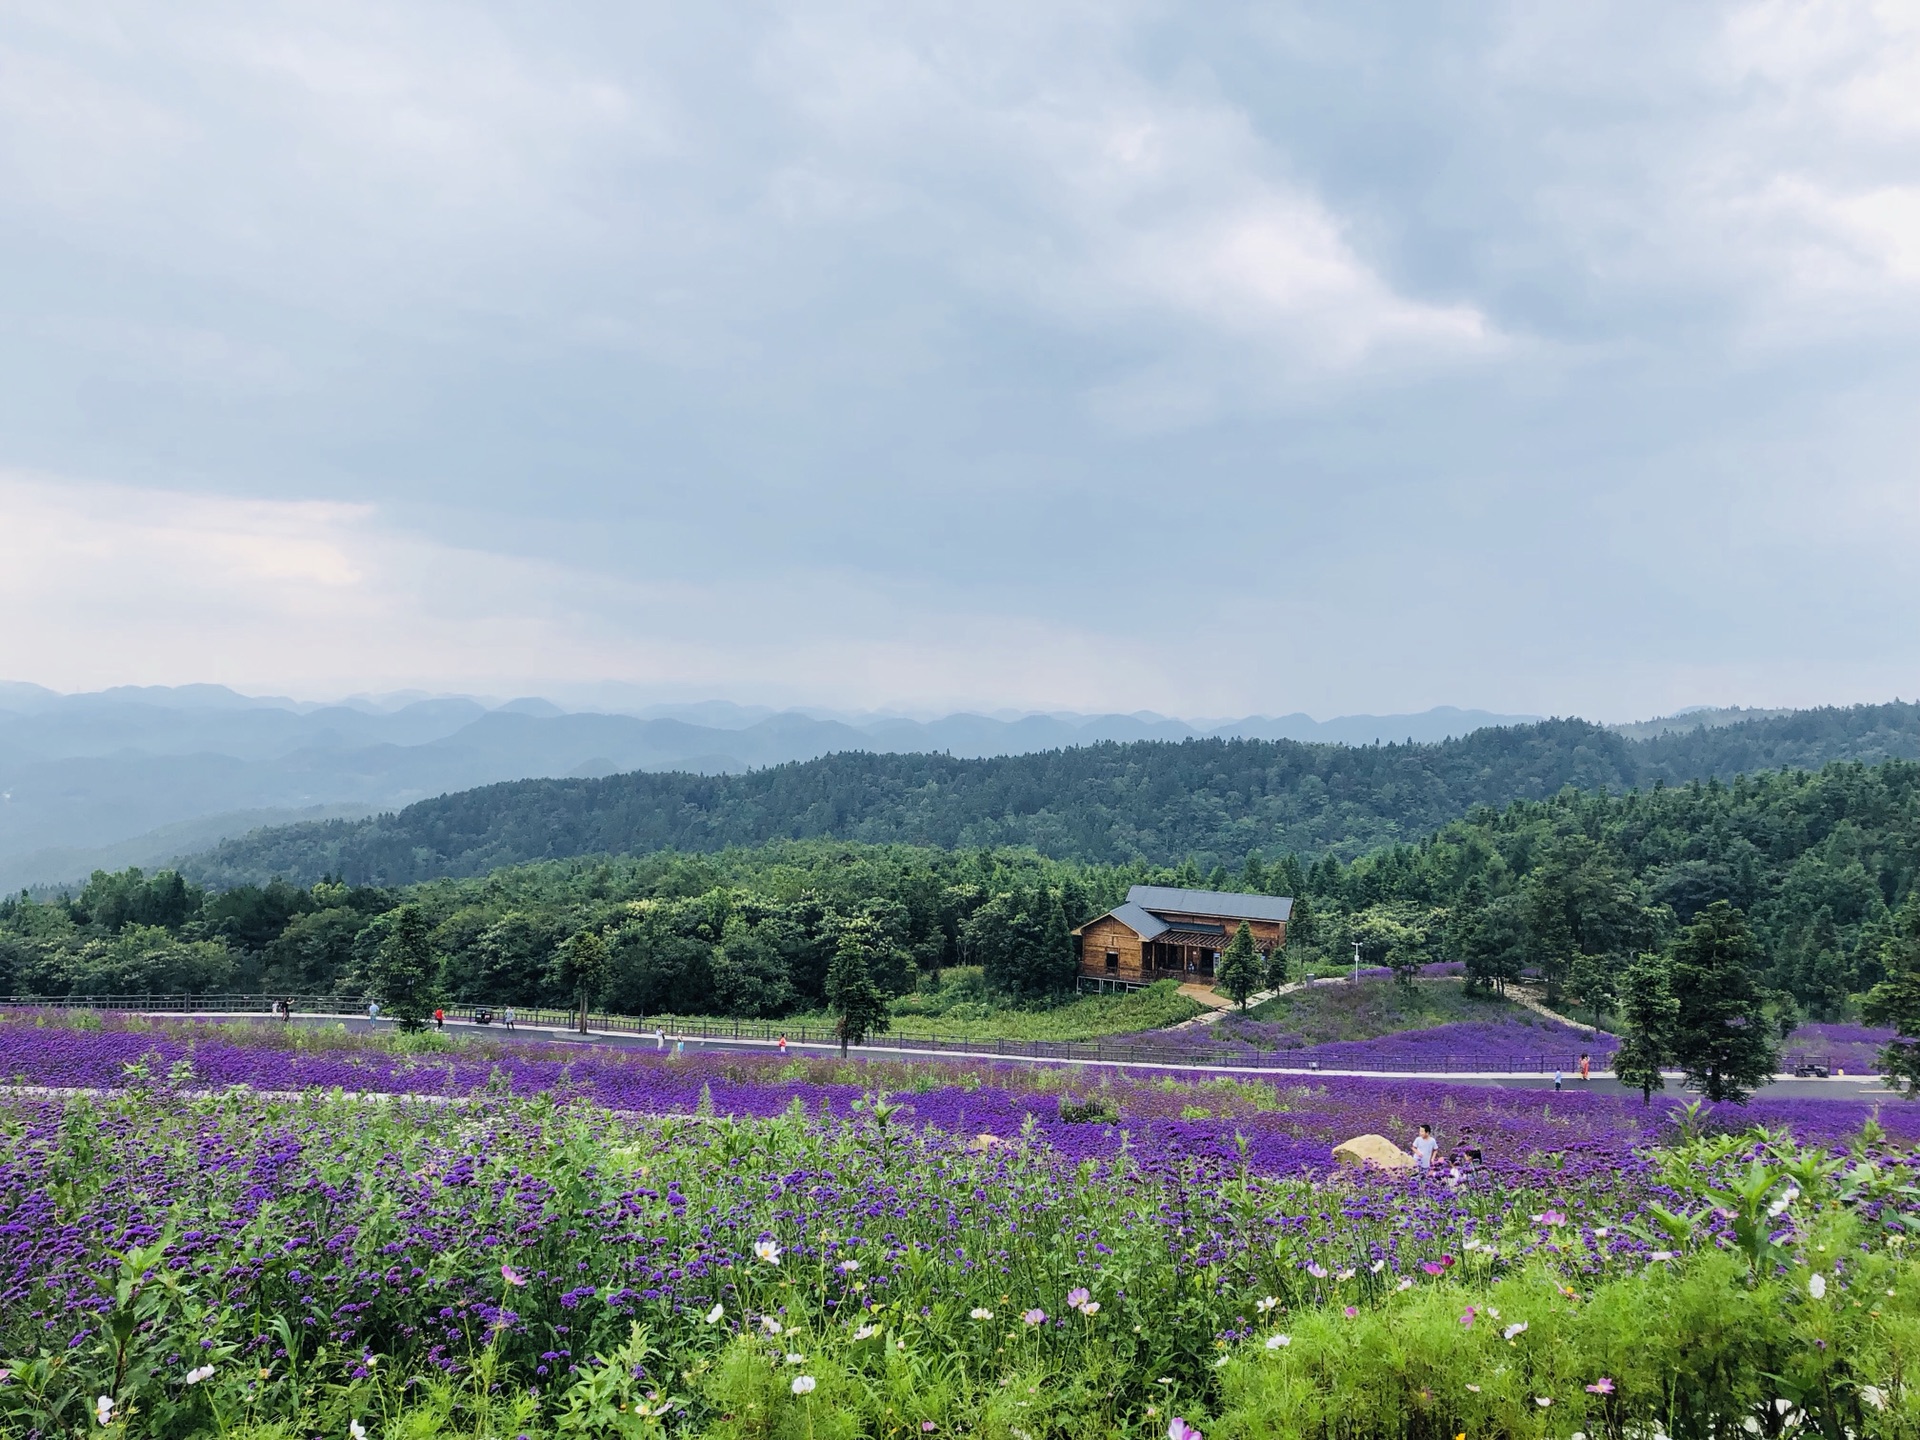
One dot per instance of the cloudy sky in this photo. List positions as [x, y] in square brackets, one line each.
[1208, 359]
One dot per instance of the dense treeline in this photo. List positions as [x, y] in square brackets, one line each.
[748, 933]
[1103, 804]
[1573, 887]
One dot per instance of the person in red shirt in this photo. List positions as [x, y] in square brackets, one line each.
[1585, 1068]
[439, 1019]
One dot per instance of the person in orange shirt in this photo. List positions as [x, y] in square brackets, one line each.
[1585, 1068]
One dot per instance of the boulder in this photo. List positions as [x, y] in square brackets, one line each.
[1372, 1150]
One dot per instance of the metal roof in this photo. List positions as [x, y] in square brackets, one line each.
[1165, 898]
[1143, 924]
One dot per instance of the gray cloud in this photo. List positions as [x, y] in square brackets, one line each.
[1283, 357]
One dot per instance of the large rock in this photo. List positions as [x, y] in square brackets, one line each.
[1372, 1150]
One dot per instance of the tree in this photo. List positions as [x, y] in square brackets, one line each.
[582, 965]
[854, 998]
[1253, 875]
[1274, 973]
[405, 968]
[1895, 1000]
[1720, 1032]
[1391, 937]
[1239, 970]
[1300, 922]
[1648, 1011]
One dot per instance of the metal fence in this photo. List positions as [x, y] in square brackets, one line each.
[1113, 1051]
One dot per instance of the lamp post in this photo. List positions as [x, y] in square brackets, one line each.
[1356, 962]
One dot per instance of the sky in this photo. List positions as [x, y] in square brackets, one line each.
[1213, 359]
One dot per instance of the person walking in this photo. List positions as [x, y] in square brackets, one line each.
[507, 1016]
[1556, 1079]
[659, 1039]
[373, 1013]
[440, 1021]
[679, 1047]
[286, 1011]
[1424, 1148]
[1586, 1072]
[783, 1044]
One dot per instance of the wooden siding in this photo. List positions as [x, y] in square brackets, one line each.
[1105, 936]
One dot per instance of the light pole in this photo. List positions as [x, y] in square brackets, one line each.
[1356, 962]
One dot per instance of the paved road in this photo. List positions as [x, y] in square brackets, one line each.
[1836, 1088]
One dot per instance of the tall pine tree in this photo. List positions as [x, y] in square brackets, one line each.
[1648, 1011]
[1239, 970]
[1895, 1000]
[1720, 1032]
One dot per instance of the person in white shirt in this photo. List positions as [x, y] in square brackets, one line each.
[1425, 1147]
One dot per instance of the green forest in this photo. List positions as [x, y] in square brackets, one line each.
[1572, 887]
[1151, 801]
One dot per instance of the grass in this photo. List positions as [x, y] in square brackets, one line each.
[1373, 1008]
[962, 1009]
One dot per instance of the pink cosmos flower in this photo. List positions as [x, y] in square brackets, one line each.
[1352, 1310]
[1181, 1430]
[1602, 1386]
[1078, 1296]
[1466, 1317]
[1035, 1317]
[1433, 1267]
[512, 1276]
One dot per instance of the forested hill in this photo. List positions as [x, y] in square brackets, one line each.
[1212, 800]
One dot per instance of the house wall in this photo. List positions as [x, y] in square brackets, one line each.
[1101, 936]
[1106, 934]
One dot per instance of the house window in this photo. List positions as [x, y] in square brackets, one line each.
[1113, 961]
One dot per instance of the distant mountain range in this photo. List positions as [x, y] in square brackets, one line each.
[141, 774]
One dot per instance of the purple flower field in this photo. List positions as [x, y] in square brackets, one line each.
[1533, 1044]
[1854, 1048]
[1286, 1126]
[547, 1228]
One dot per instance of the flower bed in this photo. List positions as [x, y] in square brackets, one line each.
[179, 1255]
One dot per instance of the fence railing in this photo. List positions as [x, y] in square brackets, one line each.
[1124, 1050]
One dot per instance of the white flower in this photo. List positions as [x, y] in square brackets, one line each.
[980, 1312]
[1492, 1314]
[1662, 1255]
[1092, 1307]
[1874, 1396]
[1599, 1232]
[1543, 1401]
[1474, 1388]
[103, 1409]
[1376, 1267]
[866, 1332]
[1344, 1275]
[1266, 1303]
[1519, 1328]
[793, 1359]
[1779, 1207]
[1817, 1285]
[194, 1377]
[847, 1267]
[356, 1431]
[803, 1384]
[1750, 1425]
[1221, 1363]
[1279, 1342]
[1406, 1283]
[767, 1250]
[769, 1324]
[716, 1314]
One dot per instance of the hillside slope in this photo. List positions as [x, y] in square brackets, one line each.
[1211, 799]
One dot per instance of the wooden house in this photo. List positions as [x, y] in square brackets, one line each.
[1162, 933]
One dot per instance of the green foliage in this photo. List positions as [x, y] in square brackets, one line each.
[858, 1006]
[1238, 973]
[1895, 1000]
[406, 969]
[1719, 1033]
[1649, 1013]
